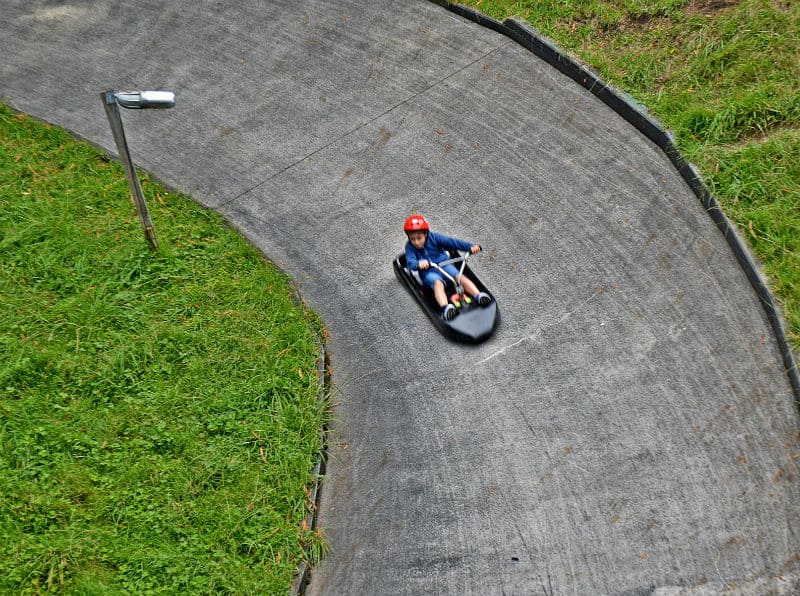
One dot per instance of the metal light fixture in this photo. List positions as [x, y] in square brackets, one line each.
[134, 100]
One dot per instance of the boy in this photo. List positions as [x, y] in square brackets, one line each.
[425, 247]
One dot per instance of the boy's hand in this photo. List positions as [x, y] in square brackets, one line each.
[423, 265]
[475, 249]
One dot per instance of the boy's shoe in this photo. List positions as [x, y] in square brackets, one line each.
[449, 312]
[483, 298]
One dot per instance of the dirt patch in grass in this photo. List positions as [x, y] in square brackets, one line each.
[710, 7]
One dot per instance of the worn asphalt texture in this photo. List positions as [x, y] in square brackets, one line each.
[630, 429]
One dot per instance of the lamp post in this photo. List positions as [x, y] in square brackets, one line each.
[134, 100]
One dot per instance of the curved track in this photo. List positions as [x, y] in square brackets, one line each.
[629, 429]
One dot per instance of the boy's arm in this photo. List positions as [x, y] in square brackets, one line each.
[453, 243]
[411, 258]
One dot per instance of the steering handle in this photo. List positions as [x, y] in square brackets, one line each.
[457, 259]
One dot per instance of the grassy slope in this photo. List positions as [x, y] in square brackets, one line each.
[724, 76]
[158, 411]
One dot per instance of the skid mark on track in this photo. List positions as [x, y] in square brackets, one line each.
[534, 336]
[510, 346]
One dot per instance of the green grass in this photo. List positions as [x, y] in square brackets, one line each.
[159, 411]
[724, 77]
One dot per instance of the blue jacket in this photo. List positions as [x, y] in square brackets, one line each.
[434, 250]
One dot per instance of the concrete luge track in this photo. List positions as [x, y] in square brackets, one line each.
[630, 428]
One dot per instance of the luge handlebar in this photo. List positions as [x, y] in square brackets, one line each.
[457, 259]
[463, 260]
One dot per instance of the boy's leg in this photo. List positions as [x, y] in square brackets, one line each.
[433, 280]
[471, 289]
[448, 310]
[469, 286]
[439, 293]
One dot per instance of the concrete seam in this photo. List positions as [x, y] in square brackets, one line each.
[357, 128]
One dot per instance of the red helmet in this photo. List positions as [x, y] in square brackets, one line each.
[416, 223]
